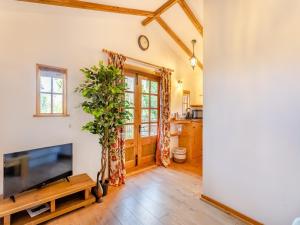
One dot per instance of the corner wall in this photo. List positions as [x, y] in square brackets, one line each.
[252, 107]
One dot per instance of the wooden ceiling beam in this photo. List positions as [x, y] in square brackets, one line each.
[159, 11]
[191, 16]
[93, 6]
[174, 36]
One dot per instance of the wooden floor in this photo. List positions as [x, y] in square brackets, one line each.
[157, 196]
[193, 168]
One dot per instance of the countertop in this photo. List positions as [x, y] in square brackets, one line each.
[185, 121]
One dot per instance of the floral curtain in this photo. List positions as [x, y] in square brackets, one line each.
[163, 144]
[116, 161]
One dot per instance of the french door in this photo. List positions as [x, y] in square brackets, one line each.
[141, 130]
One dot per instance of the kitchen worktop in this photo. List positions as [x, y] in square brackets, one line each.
[185, 121]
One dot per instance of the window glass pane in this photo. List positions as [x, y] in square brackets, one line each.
[129, 97]
[145, 86]
[45, 84]
[145, 101]
[186, 99]
[58, 85]
[129, 132]
[154, 87]
[144, 130]
[153, 115]
[57, 104]
[185, 106]
[45, 103]
[131, 111]
[130, 83]
[145, 115]
[154, 101]
[153, 129]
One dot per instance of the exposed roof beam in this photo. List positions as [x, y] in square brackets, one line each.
[159, 11]
[93, 6]
[174, 36]
[191, 15]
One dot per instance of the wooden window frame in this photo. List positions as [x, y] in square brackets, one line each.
[134, 108]
[149, 122]
[41, 67]
[186, 92]
[138, 72]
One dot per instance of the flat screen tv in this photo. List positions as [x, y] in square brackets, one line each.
[35, 168]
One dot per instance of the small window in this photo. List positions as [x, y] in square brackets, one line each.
[51, 91]
[185, 101]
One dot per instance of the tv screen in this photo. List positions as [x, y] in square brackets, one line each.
[34, 168]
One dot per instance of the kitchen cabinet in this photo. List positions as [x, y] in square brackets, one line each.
[191, 138]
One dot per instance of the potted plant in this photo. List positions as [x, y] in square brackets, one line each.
[103, 90]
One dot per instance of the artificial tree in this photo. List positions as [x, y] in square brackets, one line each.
[104, 92]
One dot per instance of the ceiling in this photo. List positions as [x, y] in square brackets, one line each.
[182, 26]
[174, 17]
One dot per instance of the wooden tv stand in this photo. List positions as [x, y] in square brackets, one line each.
[62, 196]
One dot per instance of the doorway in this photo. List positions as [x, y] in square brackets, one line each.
[142, 96]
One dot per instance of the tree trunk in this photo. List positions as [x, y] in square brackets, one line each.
[104, 155]
[102, 169]
[109, 159]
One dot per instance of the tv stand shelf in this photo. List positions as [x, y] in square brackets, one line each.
[62, 196]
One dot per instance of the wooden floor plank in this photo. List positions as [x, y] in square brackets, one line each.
[157, 196]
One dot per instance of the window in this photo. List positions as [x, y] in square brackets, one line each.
[149, 108]
[185, 101]
[142, 97]
[129, 97]
[51, 91]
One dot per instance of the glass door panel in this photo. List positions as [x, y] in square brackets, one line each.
[149, 120]
[130, 127]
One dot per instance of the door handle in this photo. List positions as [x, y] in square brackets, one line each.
[136, 160]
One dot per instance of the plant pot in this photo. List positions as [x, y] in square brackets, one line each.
[105, 187]
[97, 191]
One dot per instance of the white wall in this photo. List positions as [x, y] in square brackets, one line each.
[252, 107]
[72, 39]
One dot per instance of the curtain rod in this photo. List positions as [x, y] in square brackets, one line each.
[137, 60]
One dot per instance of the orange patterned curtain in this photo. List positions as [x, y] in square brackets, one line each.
[116, 162]
[163, 144]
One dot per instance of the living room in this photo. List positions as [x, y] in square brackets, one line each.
[120, 94]
[62, 40]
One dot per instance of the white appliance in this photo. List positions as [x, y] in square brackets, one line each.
[179, 154]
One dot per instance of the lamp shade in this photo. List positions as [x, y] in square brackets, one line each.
[193, 58]
[193, 61]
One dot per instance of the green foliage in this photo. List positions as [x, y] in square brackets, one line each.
[104, 92]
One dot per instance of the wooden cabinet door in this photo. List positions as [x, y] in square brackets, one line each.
[191, 139]
[186, 139]
[197, 149]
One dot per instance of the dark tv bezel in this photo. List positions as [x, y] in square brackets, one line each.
[44, 183]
